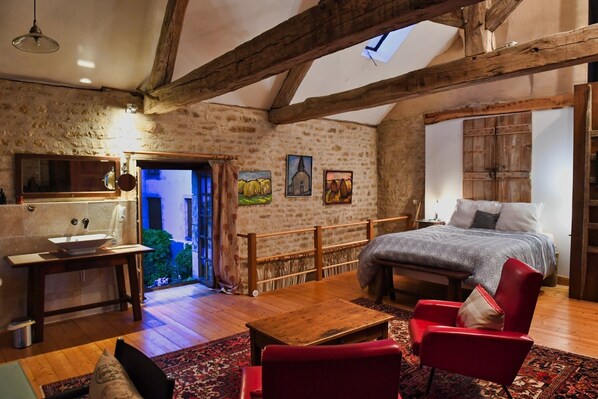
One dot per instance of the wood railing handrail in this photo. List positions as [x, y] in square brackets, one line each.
[317, 251]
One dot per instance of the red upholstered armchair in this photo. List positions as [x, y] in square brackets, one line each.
[352, 371]
[494, 356]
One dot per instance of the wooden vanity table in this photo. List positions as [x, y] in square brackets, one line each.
[44, 263]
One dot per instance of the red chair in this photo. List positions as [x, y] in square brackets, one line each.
[352, 371]
[494, 356]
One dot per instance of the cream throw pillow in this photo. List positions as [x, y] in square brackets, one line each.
[110, 380]
[480, 311]
[520, 216]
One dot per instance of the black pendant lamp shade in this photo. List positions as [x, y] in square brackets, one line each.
[35, 41]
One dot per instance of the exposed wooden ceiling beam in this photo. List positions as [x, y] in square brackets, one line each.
[318, 31]
[552, 52]
[290, 85]
[477, 39]
[453, 18]
[498, 13]
[533, 104]
[168, 44]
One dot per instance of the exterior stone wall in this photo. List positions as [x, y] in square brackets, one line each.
[54, 120]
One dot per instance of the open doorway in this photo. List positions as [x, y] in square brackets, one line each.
[175, 203]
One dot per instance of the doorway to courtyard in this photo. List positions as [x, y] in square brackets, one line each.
[175, 203]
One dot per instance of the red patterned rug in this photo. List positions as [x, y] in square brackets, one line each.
[212, 371]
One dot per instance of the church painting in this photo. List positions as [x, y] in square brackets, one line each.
[299, 176]
[338, 187]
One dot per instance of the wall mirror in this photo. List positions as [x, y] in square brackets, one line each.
[66, 176]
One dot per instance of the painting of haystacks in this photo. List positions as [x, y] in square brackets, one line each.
[255, 188]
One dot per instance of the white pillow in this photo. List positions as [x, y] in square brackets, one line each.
[465, 211]
[520, 216]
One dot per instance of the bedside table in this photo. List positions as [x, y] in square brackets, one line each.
[420, 224]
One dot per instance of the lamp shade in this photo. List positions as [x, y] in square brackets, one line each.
[35, 41]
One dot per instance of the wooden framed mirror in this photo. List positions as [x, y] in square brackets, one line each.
[66, 176]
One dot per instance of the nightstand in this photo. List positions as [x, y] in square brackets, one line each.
[420, 224]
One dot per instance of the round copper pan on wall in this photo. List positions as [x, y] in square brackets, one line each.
[126, 182]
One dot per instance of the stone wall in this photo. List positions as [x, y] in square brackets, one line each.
[54, 120]
[401, 166]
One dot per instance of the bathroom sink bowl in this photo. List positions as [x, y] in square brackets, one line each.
[80, 245]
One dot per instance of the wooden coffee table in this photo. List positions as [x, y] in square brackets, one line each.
[332, 322]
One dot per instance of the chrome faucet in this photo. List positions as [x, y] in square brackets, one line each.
[85, 222]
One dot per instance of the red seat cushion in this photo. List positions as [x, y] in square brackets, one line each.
[417, 328]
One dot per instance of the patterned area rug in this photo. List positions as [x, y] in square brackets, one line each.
[212, 371]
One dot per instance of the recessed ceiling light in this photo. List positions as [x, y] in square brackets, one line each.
[85, 80]
[86, 64]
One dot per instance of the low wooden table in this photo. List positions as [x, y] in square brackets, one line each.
[44, 263]
[332, 322]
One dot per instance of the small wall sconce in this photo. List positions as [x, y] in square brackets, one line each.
[131, 108]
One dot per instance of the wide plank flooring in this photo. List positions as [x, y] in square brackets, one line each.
[189, 315]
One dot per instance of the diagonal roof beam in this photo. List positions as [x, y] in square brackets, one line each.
[328, 27]
[561, 50]
[498, 13]
[453, 18]
[168, 45]
[290, 85]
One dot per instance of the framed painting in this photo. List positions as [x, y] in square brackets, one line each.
[338, 187]
[299, 176]
[255, 188]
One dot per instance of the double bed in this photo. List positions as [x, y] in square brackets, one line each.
[464, 246]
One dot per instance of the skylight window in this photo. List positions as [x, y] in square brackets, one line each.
[382, 48]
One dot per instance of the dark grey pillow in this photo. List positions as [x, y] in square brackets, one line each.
[484, 220]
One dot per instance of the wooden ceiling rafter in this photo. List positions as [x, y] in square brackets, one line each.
[499, 108]
[290, 85]
[499, 12]
[323, 29]
[477, 39]
[168, 44]
[453, 18]
[560, 50]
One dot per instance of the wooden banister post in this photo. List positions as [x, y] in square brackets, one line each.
[252, 264]
[318, 253]
[370, 233]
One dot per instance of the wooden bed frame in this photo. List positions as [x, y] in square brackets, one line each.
[454, 280]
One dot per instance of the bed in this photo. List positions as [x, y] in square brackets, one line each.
[465, 246]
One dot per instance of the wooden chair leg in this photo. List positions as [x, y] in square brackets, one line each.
[430, 378]
[507, 391]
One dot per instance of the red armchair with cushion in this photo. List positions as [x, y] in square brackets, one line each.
[352, 371]
[490, 355]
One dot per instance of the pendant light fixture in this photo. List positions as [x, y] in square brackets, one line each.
[35, 41]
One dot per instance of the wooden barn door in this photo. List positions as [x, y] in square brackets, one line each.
[497, 153]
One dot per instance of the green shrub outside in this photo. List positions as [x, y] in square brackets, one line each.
[184, 264]
[156, 264]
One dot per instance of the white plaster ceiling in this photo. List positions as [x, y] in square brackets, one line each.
[120, 38]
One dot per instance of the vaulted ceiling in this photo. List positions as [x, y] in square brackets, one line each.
[112, 43]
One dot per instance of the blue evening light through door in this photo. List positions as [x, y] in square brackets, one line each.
[176, 221]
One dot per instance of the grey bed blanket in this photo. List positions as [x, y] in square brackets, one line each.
[478, 251]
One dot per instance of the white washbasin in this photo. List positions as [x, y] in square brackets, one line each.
[80, 245]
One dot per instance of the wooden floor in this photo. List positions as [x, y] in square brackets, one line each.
[190, 315]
